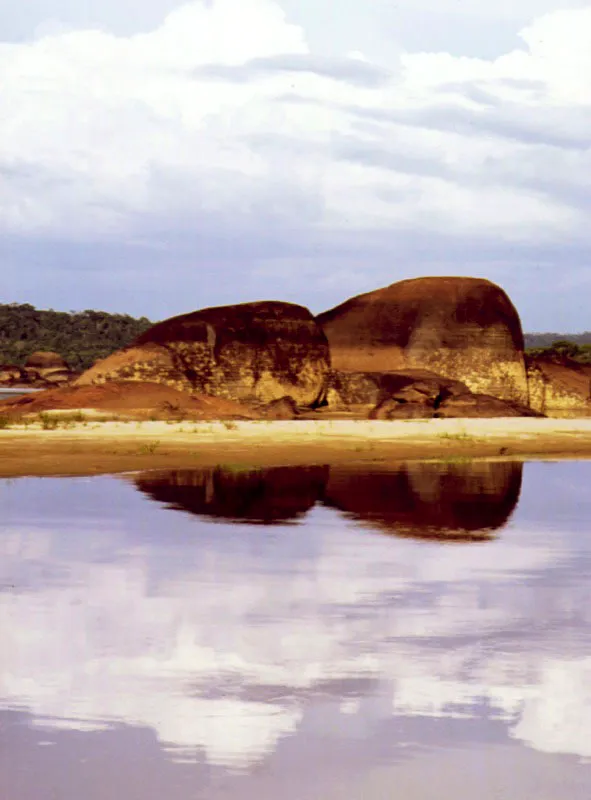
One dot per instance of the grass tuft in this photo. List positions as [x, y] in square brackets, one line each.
[48, 421]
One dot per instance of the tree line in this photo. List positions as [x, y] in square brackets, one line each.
[560, 347]
[548, 339]
[80, 337]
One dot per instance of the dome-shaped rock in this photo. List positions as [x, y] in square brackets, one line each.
[46, 361]
[253, 351]
[466, 329]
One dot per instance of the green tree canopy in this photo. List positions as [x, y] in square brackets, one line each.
[81, 337]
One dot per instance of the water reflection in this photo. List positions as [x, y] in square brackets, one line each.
[461, 501]
[315, 662]
[263, 496]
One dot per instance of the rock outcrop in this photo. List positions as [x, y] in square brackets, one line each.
[448, 501]
[364, 390]
[282, 409]
[413, 394]
[465, 329]
[46, 361]
[11, 374]
[45, 367]
[250, 352]
[41, 369]
[559, 386]
[457, 406]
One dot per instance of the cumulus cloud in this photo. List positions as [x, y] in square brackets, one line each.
[222, 122]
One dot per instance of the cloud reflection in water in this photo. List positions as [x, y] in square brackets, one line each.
[222, 638]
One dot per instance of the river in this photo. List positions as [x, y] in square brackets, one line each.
[420, 632]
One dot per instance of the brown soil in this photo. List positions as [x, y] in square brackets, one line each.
[131, 398]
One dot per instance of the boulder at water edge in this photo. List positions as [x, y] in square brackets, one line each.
[259, 351]
[465, 329]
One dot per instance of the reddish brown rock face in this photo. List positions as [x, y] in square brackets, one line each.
[46, 360]
[465, 329]
[46, 368]
[254, 351]
[559, 386]
[10, 373]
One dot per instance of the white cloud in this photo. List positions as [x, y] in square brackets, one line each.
[102, 134]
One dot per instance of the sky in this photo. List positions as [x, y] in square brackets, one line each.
[158, 157]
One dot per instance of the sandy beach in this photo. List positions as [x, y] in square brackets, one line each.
[97, 447]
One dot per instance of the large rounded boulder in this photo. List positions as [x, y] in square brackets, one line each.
[259, 351]
[465, 329]
[46, 360]
[46, 367]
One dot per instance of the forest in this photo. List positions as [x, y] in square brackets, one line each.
[81, 337]
[560, 346]
[547, 339]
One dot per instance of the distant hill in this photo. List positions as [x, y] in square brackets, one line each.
[81, 337]
[547, 339]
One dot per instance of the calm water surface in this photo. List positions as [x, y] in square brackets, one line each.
[303, 633]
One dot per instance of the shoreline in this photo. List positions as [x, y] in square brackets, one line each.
[97, 448]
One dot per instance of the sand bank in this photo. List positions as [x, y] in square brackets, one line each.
[91, 447]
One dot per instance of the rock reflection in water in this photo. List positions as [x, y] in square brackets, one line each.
[258, 496]
[458, 501]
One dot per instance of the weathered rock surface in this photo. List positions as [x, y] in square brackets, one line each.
[559, 386]
[250, 352]
[460, 406]
[284, 408]
[465, 329]
[47, 367]
[257, 496]
[413, 394]
[450, 501]
[41, 369]
[46, 361]
[11, 374]
[364, 390]
[482, 406]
